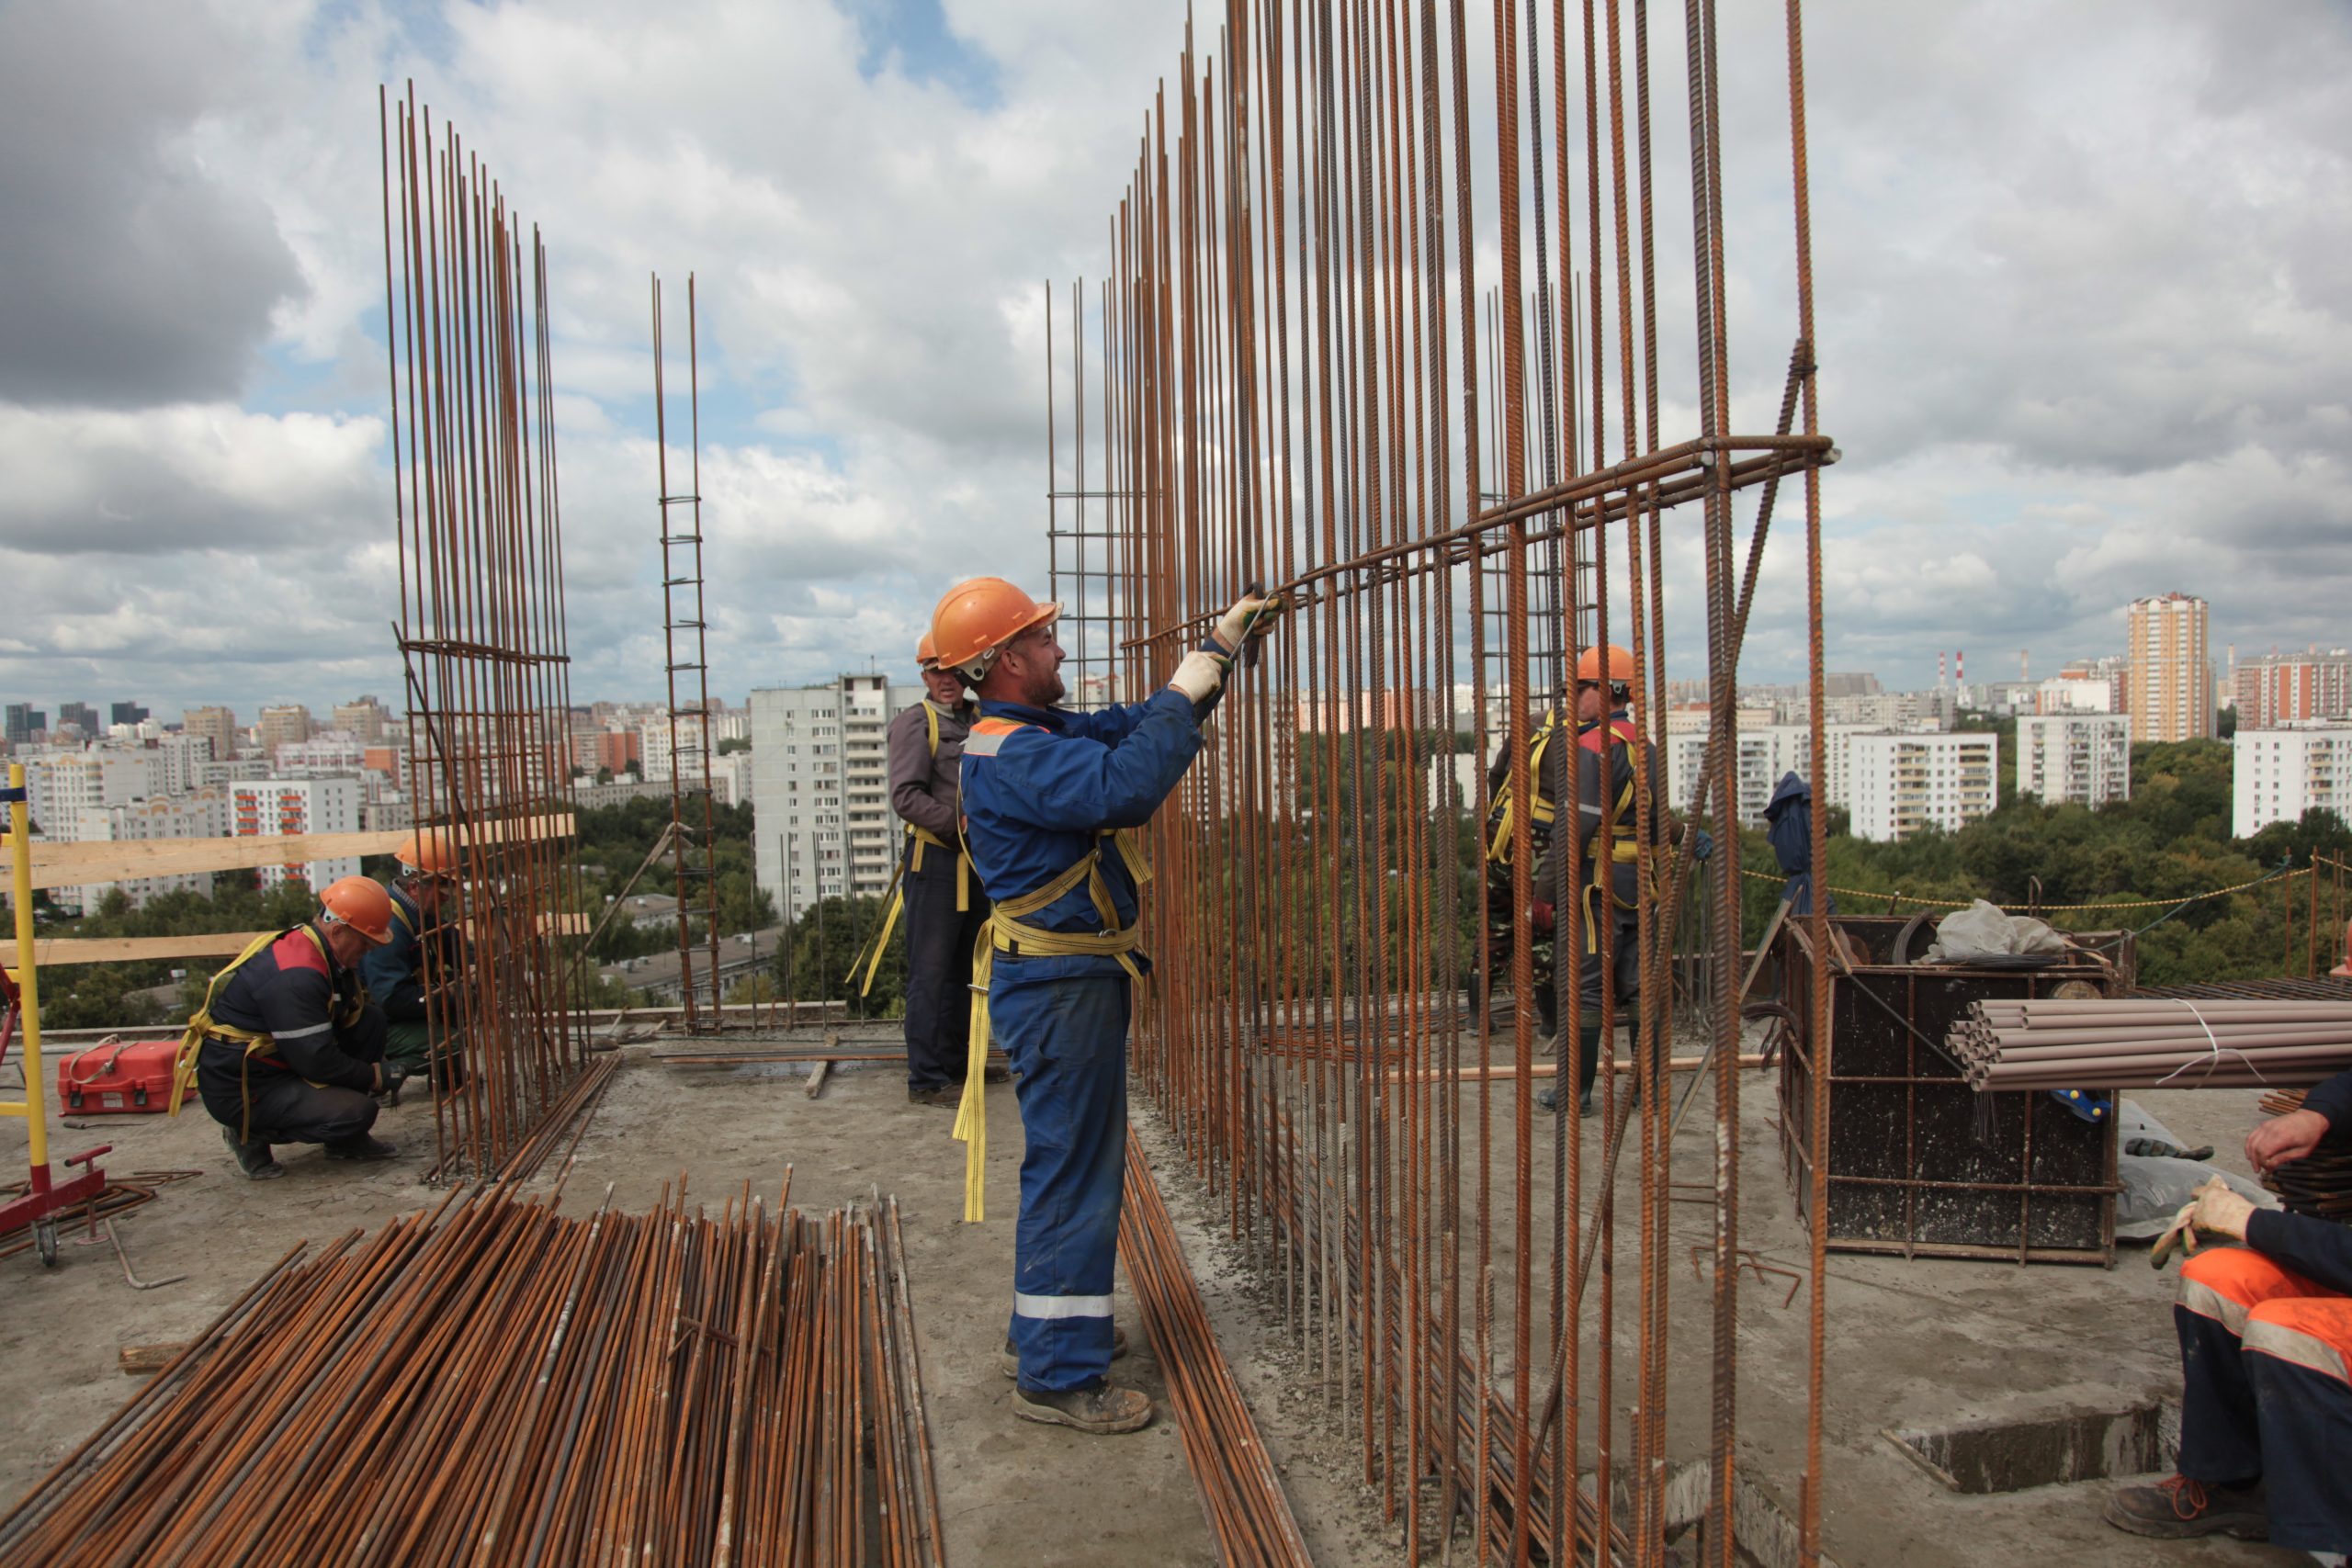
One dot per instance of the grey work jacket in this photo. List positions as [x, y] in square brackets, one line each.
[925, 789]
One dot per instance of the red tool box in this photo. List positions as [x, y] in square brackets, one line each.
[119, 1077]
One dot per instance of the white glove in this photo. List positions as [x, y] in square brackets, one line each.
[1236, 623]
[1199, 674]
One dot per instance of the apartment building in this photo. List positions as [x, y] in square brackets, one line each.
[267, 807]
[282, 725]
[1902, 785]
[61, 786]
[2277, 775]
[364, 717]
[2278, 689]
[195, 814]
[2080, 757]
[1768, 752]
[2172, 669]
[215, 723]
[820, 789]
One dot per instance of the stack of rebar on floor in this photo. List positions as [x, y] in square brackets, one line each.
[2151, 1042]
[2321, 1182]
[495, 1383]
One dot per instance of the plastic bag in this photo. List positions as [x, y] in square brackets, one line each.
[1982, 933]
[2155, 1189]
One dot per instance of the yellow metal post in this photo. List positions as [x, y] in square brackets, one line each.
[33, 1107]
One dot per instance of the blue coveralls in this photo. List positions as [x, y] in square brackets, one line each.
[1034, 801]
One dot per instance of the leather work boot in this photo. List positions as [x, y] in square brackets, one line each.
[364, 1147]
[1102, 1409]
[253, 1159]
[1011, 1360]
[2174, 1509]
[950, 1095]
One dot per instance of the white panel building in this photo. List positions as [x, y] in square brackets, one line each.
[1768, 752]
[1903, 784]
[2082, 756]
[61, 786]
[266, 808]
[820, 789]
[2278, 775]
[197, 814]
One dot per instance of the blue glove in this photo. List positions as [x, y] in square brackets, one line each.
[1704, 846]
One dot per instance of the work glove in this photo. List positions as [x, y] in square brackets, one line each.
[1541, 918]
[2215, 1210]
[390, 1075]
[1199, 676]
[1702, 845]
[1251, 618]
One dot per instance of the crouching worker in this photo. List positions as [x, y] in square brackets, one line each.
[398, 971]
[288, 1049]
[2265, 1362]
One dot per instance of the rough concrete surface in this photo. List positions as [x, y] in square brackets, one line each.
[1911, 1344]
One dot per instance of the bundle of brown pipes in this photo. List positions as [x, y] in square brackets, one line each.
[2321, 1182]
[2151, 1043]
[495, 1383]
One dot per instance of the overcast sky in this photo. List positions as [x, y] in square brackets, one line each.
[2085, 318]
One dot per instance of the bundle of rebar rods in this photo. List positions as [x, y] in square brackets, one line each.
[1389, 330]
[495, 1383]
[2321, 1182]
[2150, 1043]
[476, 518]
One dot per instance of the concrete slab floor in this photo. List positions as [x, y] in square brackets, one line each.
[1921, 1343]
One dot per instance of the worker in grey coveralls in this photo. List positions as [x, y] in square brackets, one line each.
[945, 909]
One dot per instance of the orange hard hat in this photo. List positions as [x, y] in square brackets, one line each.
[926, 652]
[361, 903]
[976, 619]
[429, 852]
[1612, 665]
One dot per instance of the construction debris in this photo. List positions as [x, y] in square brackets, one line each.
[496, 1383]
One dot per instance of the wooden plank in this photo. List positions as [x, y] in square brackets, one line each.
[76, 864]
[62, 950]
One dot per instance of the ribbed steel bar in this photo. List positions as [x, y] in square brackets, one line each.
[1290, 263]
[477, 518]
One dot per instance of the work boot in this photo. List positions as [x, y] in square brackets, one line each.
[1102, 1409]
[253, 1158]
[2174, 1509]
[1011, 1360]
[363, 1146]
[950, 1095]
[992, 1073]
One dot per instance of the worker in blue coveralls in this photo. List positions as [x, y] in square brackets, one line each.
[396, 971]
[1047, 793]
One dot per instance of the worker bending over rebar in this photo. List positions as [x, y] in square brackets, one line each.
[1048, 797]
[395, 972]
[2265, 1362]
[286, 1048]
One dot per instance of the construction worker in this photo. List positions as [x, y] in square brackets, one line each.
[1044, 793]
[395, 972]
[946, 910]
[286, 1048]
[2265, 1362]
[1607, 740]
[1502, 927]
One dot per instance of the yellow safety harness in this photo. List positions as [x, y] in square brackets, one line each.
[1008, 931]
[1624, 848]
[920, 838]
[1541, 810]
[203, 1026]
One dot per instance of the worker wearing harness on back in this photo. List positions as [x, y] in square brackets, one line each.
[286, 1048]
[422, 947]
[1543, 771]
[1607, 744]
[1046, 796]
[946, 910]
[2266, 1360]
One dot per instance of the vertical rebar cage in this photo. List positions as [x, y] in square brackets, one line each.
[1315, 376]
[482, 629]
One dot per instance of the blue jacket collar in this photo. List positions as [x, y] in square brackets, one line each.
[1022, 713]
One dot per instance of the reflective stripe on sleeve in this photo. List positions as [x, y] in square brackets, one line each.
[299, 1033]
[1060, 1307]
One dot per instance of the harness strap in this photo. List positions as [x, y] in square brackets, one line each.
[201, 1026]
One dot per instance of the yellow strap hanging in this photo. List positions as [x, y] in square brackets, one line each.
[201, 1026]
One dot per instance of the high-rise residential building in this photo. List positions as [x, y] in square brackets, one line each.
[25, 721]
[1904, 784]
[125, 713]
[2277, 774]
[198, 814]
[365, 718]
[328, 754]
[176, 763]
[2280, 688]
[820, 789]
[1768, 754]
[81, 716]
[284, 724]
[59, 789]
[2082, 757]
[217, 725]
[267, 807]
[2172, 669]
